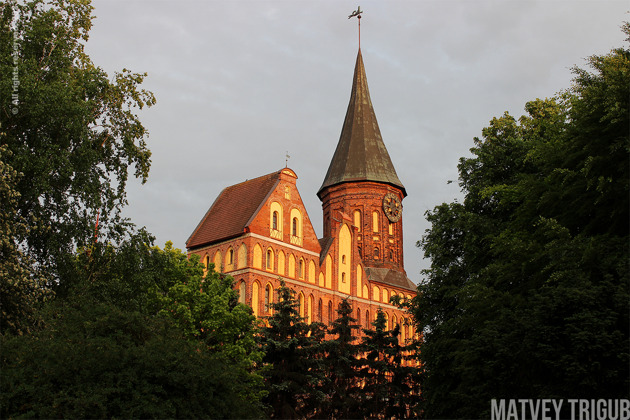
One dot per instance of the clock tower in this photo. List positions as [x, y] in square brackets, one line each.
[362, 185]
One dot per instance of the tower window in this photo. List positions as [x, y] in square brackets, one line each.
[377, 253]
[343, 277]
[357, 219]
[375, 221]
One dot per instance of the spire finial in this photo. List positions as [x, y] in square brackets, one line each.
[286, 159]
[357, 13]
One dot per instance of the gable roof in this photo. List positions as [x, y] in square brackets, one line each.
[233, 210]
[361, 154]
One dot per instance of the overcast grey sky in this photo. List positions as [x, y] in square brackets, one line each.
[240, 83]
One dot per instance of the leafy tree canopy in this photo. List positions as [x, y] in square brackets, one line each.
[138, 334]
[72, 131]
[528, 289]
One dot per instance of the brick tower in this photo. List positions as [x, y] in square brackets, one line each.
[362, 183]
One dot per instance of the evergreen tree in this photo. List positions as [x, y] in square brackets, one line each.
[292, 362]
[390, 384]
[341, 366]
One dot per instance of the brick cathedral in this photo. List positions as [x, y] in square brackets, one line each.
[259, 231]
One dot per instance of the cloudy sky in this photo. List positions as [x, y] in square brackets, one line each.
[240, 83]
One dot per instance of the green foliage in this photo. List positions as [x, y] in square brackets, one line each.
[528, 289]
[342, 383]
[292, 359]
[121, 342]
[22, 287]
[390, 386]
[72, 131]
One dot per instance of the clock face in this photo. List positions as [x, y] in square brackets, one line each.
[392, 207]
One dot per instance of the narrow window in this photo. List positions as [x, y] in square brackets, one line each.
[231, 256]
[269, 259]
[241, 292]
[320, 311]
[343, 277]
[377, 253]
[275, 220]
[375, 221]
[330, 316]
[357, 219]
[295, 226]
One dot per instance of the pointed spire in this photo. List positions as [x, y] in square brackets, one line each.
[361, 154]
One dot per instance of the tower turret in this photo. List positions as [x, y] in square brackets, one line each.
[362, 183]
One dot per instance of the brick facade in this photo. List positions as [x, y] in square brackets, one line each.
[259, 231]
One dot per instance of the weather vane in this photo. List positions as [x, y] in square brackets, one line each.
[286, 159]
[357, 13]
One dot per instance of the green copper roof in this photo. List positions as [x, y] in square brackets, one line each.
[361, 154]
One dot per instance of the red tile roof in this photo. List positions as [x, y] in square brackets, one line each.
[233, 210]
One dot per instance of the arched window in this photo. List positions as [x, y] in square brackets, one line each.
[275, 220]
[255, 298]
[242, 256]
[241, 292]
[343, 277]
[367, 319]
[360, 252]
[357, 219]
[301, 302]
[268, 297]
[377, 253]
[206, 262]
[391, 228]
[330, 312]
[229, 260]
[320, 310]
[269, 263]
[391, 255]
[375, 221]
[296, 227]
[309, 312]
[359, 315]
[301, 268]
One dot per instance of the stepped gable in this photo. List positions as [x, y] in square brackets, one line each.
[361, 154]
[233, 210]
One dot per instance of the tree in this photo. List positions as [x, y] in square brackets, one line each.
[72, 132]
[528, 289]
[292, 361]
[341, 365]
[22, 287]
[389, 384]
[137, 334]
